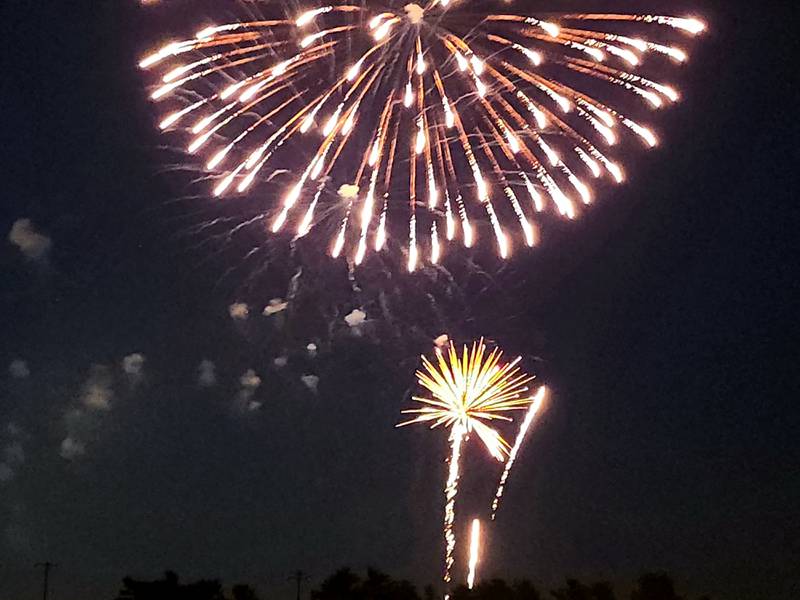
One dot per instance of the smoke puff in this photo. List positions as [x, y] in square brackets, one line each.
[348, 191]
[311, 382]
[72, 449]
[239, 311]
[32, 244]
[206, 374]
[249, 380]
[275, 306]
[355, 318]
[18, 369]
[97, 391]
[133, 363]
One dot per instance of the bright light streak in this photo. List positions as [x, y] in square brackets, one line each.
[421, 140]
[534, 408]
[552, 29]
[474, 552]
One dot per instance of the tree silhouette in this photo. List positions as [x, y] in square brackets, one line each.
[170, 588]
[342, 585]
[346, 585]
[498, 589]
[575, 590]
[603, 590]
[494, 589]
[242, 591]
[655, 586]
[525, 590]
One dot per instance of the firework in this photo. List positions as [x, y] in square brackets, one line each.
[538, 399]
[438, 115]
[469, 393]
[474, 551]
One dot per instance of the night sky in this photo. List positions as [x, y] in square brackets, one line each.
[664, 321]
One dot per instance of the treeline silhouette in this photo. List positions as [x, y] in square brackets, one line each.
[345, 584]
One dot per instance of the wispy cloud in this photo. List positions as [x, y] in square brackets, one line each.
[311, 382]
[206, 374]
[72, 448]
[31, 243]
[98, 391]
[78, 425]
[249, 382]
[18, 369]
[95, 400]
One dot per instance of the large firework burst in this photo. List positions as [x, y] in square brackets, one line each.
[469, 393]
[439, 115]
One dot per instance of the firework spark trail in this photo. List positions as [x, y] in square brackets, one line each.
[538, 400]
[474, 552]
[469, 392]
[546, 92]
[450, 493]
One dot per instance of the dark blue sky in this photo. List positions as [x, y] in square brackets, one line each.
[664, 321]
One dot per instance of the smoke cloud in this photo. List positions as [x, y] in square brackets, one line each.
[97, 391]
[72, 449]
[239, 311]
[355, 318]
[275, 306]
[206, 374]
[32, 244]
[311, 382]
[249, 382]
[18, 369]
[133, 367]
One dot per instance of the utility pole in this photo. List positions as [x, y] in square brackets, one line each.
[46, 566]
[299, 577]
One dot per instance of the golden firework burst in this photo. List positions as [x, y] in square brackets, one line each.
[470, 390]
